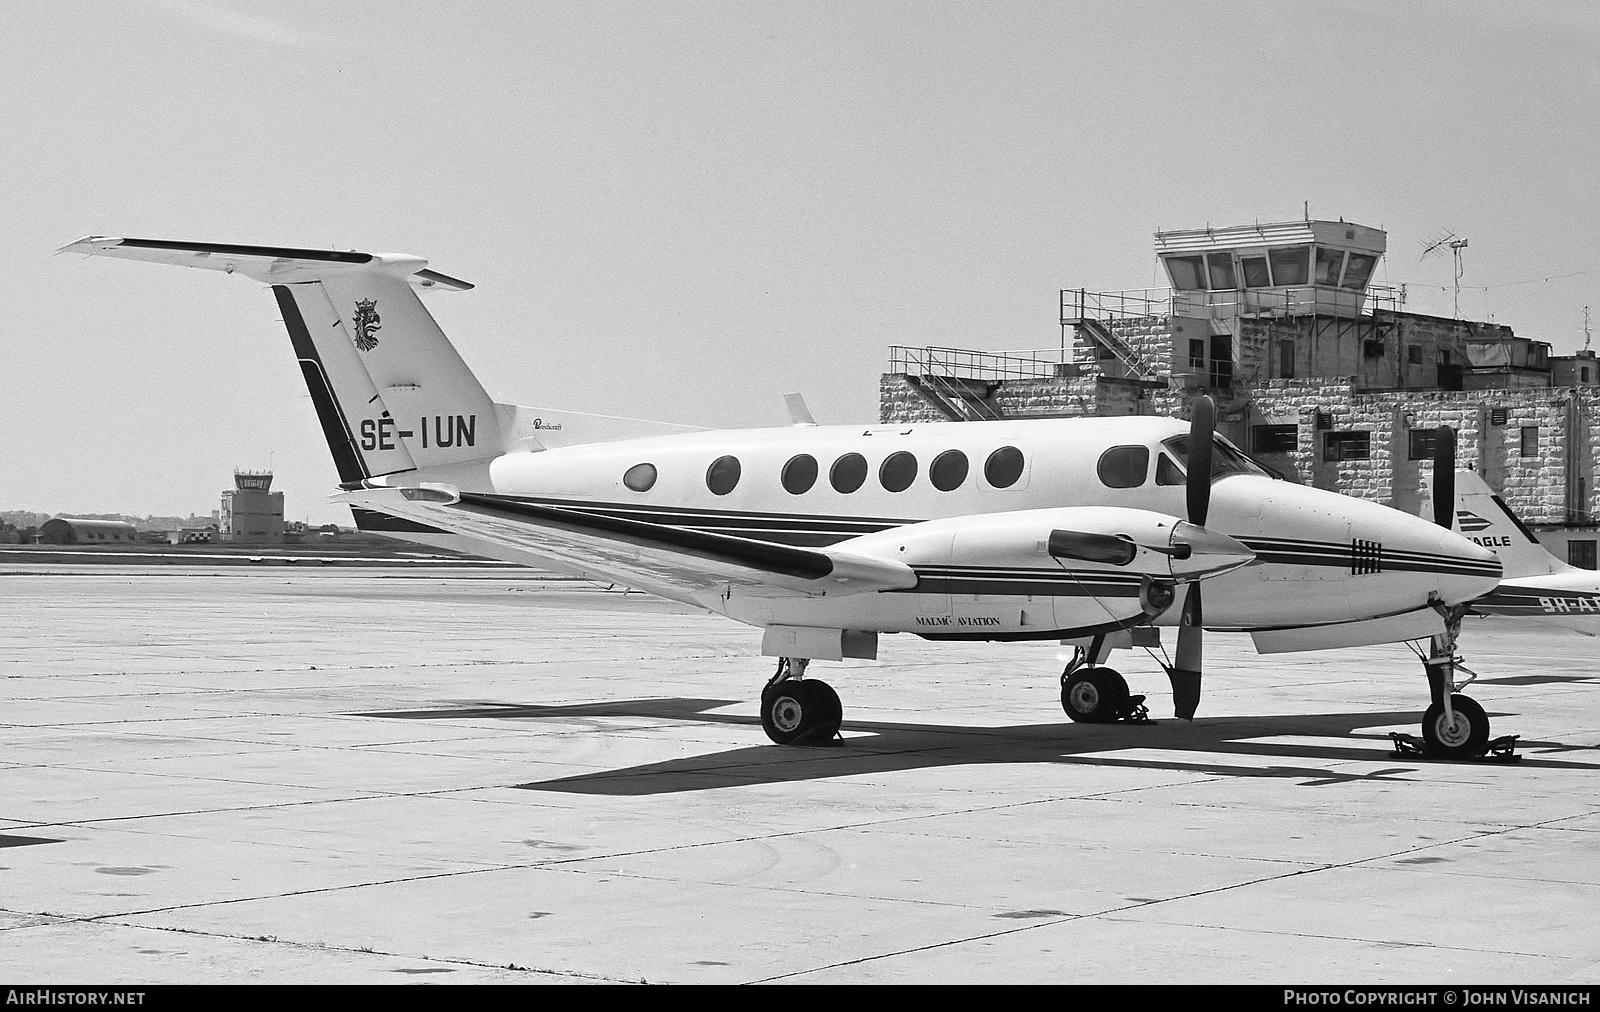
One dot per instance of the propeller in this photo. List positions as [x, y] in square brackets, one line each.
[1186, 662]
[1444, 477]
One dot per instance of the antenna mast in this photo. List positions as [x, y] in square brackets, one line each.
[1456, 246]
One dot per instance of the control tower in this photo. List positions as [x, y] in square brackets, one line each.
[252, 514]
[1288, 269]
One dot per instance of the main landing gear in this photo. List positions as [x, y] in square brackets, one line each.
[796, 710]
[1454, 726]
[1094, 694]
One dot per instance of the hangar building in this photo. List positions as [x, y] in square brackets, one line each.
[72, 531]
[1320, 374]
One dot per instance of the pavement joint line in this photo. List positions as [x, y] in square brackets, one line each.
[1400, 942]
[1111, 912]
[554, 863]
[55, 919]
[407, 665]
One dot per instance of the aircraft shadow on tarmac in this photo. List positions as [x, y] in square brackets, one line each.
[873, 747]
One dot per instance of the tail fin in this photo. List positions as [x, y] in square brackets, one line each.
[1484, 517]
[390, 390]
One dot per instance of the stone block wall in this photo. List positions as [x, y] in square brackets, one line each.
[900, 402]
[1533, 486]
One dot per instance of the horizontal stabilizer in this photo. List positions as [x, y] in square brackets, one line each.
[272, 265]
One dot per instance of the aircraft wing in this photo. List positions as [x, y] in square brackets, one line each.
[674, 562]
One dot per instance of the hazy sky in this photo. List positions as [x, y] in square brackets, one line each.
[682, 210]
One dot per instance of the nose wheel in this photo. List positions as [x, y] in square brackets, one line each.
[799, 711]
[1461, 733]
[1094, 695]
[1454, 726]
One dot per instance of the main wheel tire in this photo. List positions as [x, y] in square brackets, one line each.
[1094, 695]
[801, 712]
[1463, 739]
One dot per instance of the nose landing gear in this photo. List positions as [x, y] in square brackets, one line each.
[1454, 726]
[796, 710]
[1093, 694]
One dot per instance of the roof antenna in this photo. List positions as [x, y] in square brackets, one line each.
[1455, 245]
[1308, 210]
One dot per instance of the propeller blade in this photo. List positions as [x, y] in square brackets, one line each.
[1202, 423]
[1444, 477]
[1111, 549]
[1186, 661]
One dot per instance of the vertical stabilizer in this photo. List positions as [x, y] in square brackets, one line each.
[1483, 517]
[391, 392]
[438, 411]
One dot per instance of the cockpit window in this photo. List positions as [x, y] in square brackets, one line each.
[1124, 466]
[1168, 473]
[1226, 458]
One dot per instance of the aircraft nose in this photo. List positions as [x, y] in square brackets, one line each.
[1460, 570]
[1330, 557]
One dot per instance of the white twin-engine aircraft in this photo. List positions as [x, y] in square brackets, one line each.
[1096, 531]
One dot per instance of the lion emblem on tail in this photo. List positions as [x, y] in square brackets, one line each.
[367, 324]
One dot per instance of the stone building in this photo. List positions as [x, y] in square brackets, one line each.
[1318, 373]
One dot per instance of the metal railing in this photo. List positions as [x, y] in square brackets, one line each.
[1142, 303]
[983, 366]
[1137, 303]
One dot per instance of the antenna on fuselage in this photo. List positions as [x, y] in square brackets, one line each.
[799, 414]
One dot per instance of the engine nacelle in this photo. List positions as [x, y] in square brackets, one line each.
[1094, 539]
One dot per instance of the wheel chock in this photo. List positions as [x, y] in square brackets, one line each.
[1500, 750]
[1135, 712]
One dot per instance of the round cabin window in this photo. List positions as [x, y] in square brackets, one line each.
[948, 471]
[722, 475]
[848, 472]
[640, 477]
[1003, 467]
[898, 471]
[799, 474]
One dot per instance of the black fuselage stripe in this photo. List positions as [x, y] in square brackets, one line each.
[335, 428]
[819, 531]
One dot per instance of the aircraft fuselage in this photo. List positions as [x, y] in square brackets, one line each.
[881, 490]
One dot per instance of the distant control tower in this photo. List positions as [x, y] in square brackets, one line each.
[252, 514]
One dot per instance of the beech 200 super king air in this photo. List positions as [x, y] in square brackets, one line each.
[1097, 531]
